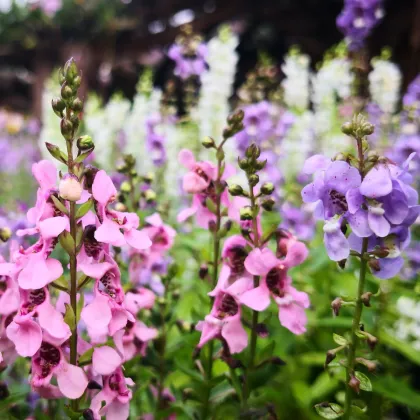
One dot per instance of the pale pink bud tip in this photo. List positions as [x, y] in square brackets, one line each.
[70, 188]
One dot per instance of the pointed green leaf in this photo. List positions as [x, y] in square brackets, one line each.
[69, 317]
[365, 383]
[84, 208]
[83, 155]
[86, 357]
[340, 340]
[67, 242]
[80, 305]
[211, 205]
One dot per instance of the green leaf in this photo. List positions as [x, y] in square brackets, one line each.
[11, 400]
[80, 305]
[221, 392]
[86, 357]
[188, 371]
[83, 155]
[267, 352]
[339, 339]
[329, 410]
[365, 383]
[67, 242]
[337, 322]
[69, 317]
[84, 208]
[71, 414]
[211, 206]
[56, 153]
[59, 205]
[404, 348]
[62, 282]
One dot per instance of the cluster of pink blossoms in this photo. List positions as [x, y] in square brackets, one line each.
[33, 326]
[241, 261]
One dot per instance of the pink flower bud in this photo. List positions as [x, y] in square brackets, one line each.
[70, 188]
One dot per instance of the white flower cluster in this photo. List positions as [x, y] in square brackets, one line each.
[407, 327]
[217, 84]
[296, 81]
[384, 85]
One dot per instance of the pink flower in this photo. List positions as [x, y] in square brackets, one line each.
[26, 333]
[161, 235]
[200, 173]
[106, 315]
[113, 222]
[224, 320]
[275, 282]
[50, 361]
[105, 360]
[116, 396]
[140, 298]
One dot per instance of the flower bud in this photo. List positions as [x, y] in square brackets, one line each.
[66, 129]
[336, 305]
[58, 106]
[150, 196]
[77, 105]
[120, 207]
[374, 265]
[76, 82]
[347, 128]
[70, 188]
[367, 128]
[260, 164]
[208, 143]
[243, 164]
[366, 298]
[235, 190]
[74, 119]
[212, 226]
[340, 156]
[253, 180]
[268, 204]
[253, 151]
[262, 330]
[267, 188]
[203, 271]
[331, 355]
[85, 143]
[5, 234]
[66, 92]
[70, 70]
[125, 187]
[354, 384]
[246, 213]
[372, 341]
[228, 225]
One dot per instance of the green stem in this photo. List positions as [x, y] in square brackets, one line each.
[254, 335]
[162, 350]
[216, 254]
[355, 327]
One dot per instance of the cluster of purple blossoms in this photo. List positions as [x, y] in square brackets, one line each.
[381, 206]
[155, 141]
[357, 20]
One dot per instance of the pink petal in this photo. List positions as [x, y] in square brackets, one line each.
[95, 271]
[186, 158]
[296, 254]
[26, 336]
[144, 333]
[193, 183]
[118, 321]
[154, 220]
[105, 360]
[52, 321]
[257, 299]
[35, 274]
[260, 262]
[109, 233]
[52, 227]
[293, 317]
[45, 173]
[103, 189]
[301, 298]
[9, 301]
[97, 315]
[185, 214]
[235, 335]
[138, 239]
[118, 411]
[208, 332]
[71, 380]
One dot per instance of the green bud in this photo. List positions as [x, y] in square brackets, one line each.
[56, 152]
[61, 77]
[208, 143]
[5, 234]
[120, 207]
[340, 156]
[253, 151]
[133, 173]
[260, 164]
[66, 92]
[267, 188]
[77, 105]
[75, 121]
[246, 213]
[125, 187]
[347, 128]
[85, 142]
[235, 190]
[58, 106]
[367, 128]
[149, 178]
[268, 204]
[253, 180]
[76, 82]
[227, 132]
[66, 128]
[70, 70]
[150, 196]
[243, 164]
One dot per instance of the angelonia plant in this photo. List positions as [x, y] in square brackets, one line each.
[78, 345]
[368, 206]
[245, 272]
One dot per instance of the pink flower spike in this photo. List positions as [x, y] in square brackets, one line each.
[105, 360]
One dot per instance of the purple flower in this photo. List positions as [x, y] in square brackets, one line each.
[412, 97]
[188, 63]
[299, 221]
[155, 141]
[357, 20]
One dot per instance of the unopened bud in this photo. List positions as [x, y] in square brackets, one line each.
[336, 305]
[66, 128]
[268, 203]
[267, 188]
[77, 105]
[58, 106]
[340, 156]
[5, 234]
[235, 190]
[70, 188]
[366, 298]
[331, 355]
[374, 265]
[253, 180]
[373, 156]
[372, 341]
[381, 252]
[125, 187]
[203, 271]
[246, 213]
[371, 365]
[347, 128]
[253, 151]
[85, 143]
[150, 196]
[120, 207]
[367, 128]
[228, 225]
[342, 264]
[66, 92]
[208, 143]
[212, 226]
[243, 164]
[76, 82]
[259, 165]
[354, 384]
[70, 70]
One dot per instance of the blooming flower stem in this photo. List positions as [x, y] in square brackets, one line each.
[355, 327]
